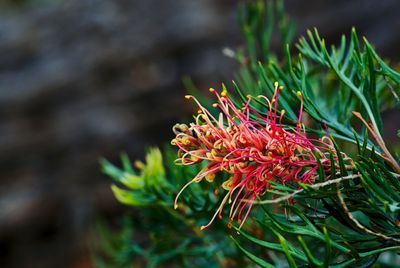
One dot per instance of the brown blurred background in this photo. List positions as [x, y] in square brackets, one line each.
[84, 79]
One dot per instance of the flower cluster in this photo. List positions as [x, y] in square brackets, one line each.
[254, 149]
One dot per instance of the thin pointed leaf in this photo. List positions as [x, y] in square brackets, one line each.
[253, 257]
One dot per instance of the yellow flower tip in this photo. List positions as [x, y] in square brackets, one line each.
[281, 87]
[228, 184]
[215, 105]
[216, 191]
[199, 111]
[224, 93]
[299, 94]
[139, 164]
[185, 140]
[204, 116]
[173, 142]
[283, 112]
[175, 205]
[214, 152]
[276, 84]
[210, 177]
[196, 179]
[187, 97]
[248, 96]
[211, 90]
[203, 227]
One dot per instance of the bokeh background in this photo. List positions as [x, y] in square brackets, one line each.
[85, 79]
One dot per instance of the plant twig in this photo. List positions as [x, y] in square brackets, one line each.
[357, 223]
[374, 132]
[314, 186]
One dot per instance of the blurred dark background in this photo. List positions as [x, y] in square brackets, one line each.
[84, 79]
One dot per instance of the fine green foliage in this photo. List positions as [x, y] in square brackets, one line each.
[156, 234]
[347, 218]
[353, 220]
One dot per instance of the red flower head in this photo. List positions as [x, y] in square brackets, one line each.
[254, 149]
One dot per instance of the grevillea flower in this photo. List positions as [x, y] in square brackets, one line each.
[254, 149]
